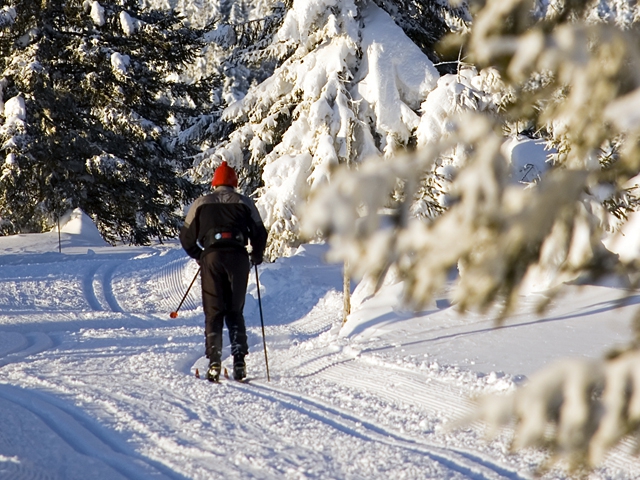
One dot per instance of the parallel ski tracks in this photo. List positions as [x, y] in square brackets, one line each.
[83, 435]
[11, 342]
[172, 283]
[360, 373]
[398, 385]
[35, 343]
[466, 463]
[401, 386]
[391, 384]
[623, 457]
[317, 321]
[98, 289]
[432, 395]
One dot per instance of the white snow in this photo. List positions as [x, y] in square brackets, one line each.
[76, 222]
[15, 114]
[625, 112]
[8, 16]
[95, 377]
[15, 109]
[396, 76]
[129, 24]
[528, 158]
[97, 12]
[120, 62]
[283, 186]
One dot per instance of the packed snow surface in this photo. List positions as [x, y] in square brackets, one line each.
[96, 381]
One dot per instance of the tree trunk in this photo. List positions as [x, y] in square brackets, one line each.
[346, 294]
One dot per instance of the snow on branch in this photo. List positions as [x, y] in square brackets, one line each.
[129, 24]
[578, 409]
[96, 11]
[7, 16]
[493, 231]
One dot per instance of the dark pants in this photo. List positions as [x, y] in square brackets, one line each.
[225, 273]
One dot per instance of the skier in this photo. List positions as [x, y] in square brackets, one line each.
[216, 232]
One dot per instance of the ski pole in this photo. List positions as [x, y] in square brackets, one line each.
[174, 314]
[264, 341]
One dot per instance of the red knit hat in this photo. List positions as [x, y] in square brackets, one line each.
[224, 175]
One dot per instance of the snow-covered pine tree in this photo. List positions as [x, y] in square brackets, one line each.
[350, 86]
[426, 21]
[91, 96]
[239, 53]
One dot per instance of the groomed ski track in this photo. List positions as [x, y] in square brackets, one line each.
[91, 363]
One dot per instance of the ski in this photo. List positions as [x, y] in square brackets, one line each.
[224, 377]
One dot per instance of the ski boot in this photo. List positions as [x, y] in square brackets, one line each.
[239, 368]
[213, 374]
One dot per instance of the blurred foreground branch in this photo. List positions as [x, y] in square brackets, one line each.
[575, 82]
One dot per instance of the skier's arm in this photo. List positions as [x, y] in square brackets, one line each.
[257, 233]
[189, 233]
[258, 236]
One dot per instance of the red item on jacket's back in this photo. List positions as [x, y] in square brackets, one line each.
[224, 175]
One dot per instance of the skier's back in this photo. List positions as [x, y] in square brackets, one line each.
[216, 231]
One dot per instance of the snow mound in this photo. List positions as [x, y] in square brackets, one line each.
[80, 228]
[528, 158]
[77, 232]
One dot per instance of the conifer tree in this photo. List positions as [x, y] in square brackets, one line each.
[426, 22]
[321, 104]
[92, 94]
[239, 53]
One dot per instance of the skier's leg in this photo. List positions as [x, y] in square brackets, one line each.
[238, 271]
[213, 295]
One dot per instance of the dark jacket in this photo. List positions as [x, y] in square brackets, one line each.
[223, 211]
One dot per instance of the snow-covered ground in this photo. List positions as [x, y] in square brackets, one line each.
[96, 381]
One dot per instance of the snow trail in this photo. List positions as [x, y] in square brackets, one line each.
[465, 463]
[90, 441]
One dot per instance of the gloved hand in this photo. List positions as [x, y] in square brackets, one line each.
[256, 259]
